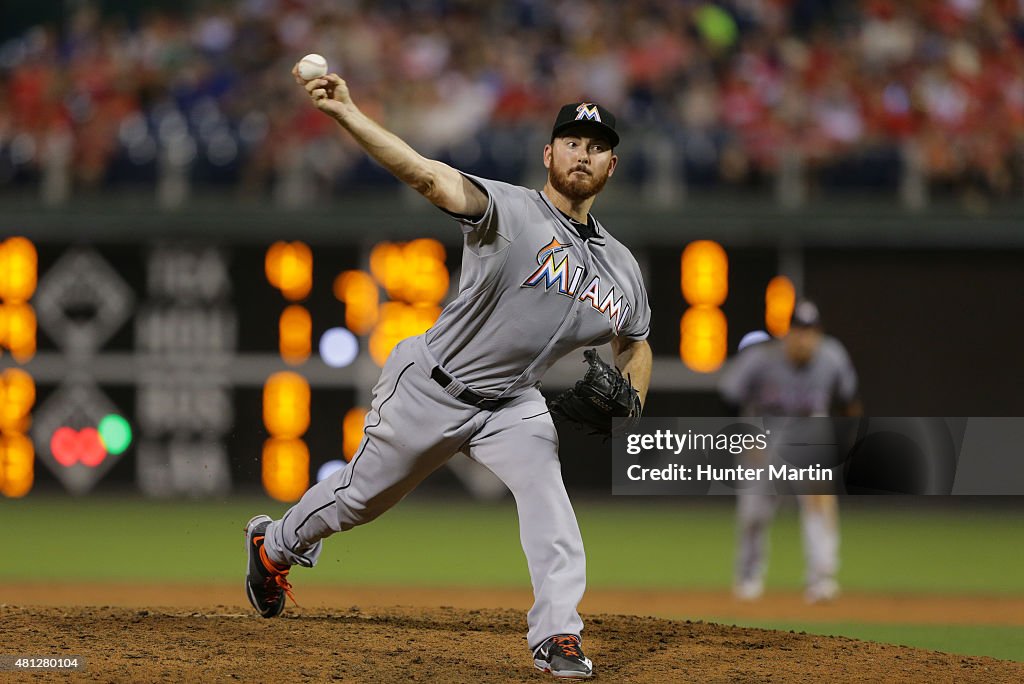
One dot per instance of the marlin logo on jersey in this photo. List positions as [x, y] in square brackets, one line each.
[552, 247]
[556, 275]
[587, 110]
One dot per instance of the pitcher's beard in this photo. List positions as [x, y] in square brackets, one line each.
[576, 189]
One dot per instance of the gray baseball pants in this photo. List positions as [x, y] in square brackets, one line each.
[413, 427]
[819, 529]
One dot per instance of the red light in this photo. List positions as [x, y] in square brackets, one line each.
[70, 446]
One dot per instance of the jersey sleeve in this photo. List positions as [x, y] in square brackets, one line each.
[738, 378]
[501, 221]
[846, 375]
[638, 327]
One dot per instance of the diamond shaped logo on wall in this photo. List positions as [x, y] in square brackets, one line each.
[66, 439]
[81, 301]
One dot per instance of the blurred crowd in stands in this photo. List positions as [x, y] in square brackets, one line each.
[853, 90]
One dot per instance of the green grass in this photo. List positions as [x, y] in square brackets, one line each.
[1006, 643]
[630, 544]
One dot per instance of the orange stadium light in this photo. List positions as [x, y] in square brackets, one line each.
[427, 248]
[19, 270]
[352, 431]
[412, 272]
[426, 276]
[779, 300]
[17, 463]
[285, 469]
[397, 322]
[18, 330]
[703, 338]
[286, 405]
[289, 268]
[704, 273]
[17, 396]
[387, 264]
[295, 334]
[358, 291]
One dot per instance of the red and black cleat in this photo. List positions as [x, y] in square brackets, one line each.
[266, 582]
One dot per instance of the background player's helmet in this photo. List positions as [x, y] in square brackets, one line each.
[751, 338]
[805, 315]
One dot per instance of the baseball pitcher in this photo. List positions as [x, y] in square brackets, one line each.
[541, 277]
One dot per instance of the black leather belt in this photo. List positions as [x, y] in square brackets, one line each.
[466, 396]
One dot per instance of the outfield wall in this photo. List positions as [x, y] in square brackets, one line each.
[175, 325]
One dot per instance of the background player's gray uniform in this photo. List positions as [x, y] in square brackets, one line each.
[764, 382]
[531, 291]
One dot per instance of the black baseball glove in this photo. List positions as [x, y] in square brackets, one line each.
[601, 395]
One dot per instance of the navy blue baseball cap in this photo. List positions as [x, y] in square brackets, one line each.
[805, 315]
[586, 114]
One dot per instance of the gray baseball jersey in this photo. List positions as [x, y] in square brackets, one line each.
[764, 382]
[531, 291]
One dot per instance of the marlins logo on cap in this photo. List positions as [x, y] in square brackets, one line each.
[589, 114]
[586, 110]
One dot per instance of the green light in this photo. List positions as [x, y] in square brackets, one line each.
[717, 26]
[116, 433]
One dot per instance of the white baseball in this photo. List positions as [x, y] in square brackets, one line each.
[312, 66]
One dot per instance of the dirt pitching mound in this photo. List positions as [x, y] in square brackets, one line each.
[448, 645]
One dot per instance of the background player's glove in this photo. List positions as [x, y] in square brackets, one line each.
[601, 395]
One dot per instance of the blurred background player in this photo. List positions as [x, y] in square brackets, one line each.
[806, 373]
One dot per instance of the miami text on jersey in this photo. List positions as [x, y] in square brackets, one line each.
[557, 275]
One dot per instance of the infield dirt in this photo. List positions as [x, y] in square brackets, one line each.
[228, 642]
